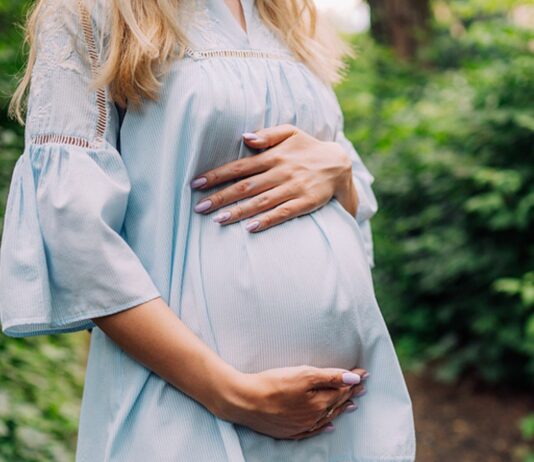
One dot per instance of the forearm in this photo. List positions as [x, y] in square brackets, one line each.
[153, 335]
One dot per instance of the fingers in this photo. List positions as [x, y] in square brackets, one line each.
[361, 372]
[231, 170]
[343, 407]
[346, 403]
[325, 423]
[334, 378]
[259, 203]
[247, 166]
[267, 137]
[283, 212]
[332, 391]
[340, 396]
[250, 186]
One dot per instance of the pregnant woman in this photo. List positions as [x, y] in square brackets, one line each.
[187, 194]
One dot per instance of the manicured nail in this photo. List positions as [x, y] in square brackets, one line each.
[250, 136]
[223, 216]
[351, 407]
[252, 225]
[360, 393]
[366, 376]
[350, 378]
[329, 428]
[197, 182]
[203, 205]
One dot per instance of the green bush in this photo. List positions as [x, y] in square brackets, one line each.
[39, 401]
[451, 144]
[526, 425]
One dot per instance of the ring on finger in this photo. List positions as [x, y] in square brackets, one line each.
[313, 427]
[330, 412]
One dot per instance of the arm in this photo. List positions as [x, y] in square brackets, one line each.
[153, 335]
[282, 403]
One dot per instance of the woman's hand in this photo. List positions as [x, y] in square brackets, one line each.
[292, 402]
[295, 175]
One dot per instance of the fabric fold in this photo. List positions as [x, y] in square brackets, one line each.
[367, 203]
[63, 258]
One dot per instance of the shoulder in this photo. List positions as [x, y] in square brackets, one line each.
[72, 22]
[68, 41]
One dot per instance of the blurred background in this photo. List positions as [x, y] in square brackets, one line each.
[440, 105]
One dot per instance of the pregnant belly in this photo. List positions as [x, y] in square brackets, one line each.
[297, 293]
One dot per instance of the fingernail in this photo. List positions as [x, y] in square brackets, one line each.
[360, 393]
[223, 216]
[203, 205]
[197, 182]
[329, 428]
[250, 136]
[365, 376]
[351, 407]
[252, 225]
[350, 378]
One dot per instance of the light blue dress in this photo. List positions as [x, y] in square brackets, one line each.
[99, 219]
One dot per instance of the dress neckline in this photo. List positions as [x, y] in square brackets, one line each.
[223, 12]
[245, 29]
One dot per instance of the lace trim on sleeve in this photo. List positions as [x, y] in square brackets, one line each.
[63, 139]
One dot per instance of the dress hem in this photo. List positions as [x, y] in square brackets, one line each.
[31, 327]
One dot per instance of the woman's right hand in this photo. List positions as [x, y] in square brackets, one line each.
[285, 403]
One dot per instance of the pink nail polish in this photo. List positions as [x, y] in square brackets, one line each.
[250, 136]
[252, 225]
[361, 393]
[203, 205]
[351, 407]
[223, 216]
[197, 182]
[350, 378]
[329, 428]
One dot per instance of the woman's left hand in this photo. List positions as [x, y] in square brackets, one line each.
[296, 175]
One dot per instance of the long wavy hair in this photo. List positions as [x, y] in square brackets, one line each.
[144, 35]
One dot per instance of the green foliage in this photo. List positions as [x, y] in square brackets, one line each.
[526, 426]
[11, 61]
[39, 401]
[451, 144]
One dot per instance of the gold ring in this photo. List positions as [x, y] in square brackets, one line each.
[330, 412]
[312, 428]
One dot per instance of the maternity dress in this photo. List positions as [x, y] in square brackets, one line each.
[99, 219]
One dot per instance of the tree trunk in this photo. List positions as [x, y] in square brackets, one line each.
[401, 24]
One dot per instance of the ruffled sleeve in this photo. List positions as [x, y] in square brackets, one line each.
[363, 180]
[64, 257]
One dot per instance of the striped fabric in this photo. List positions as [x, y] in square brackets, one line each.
[90, 230]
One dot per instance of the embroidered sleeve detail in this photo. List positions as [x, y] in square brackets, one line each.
[62, 106]
[93, 56]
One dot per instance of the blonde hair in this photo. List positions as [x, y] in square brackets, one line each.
[144, 34]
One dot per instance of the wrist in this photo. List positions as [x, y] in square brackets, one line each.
[227, 391]
[237, 396]
[344, 185]
[347, 195]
